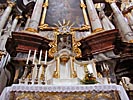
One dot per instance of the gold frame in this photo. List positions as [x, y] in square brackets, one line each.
[43, 26]
[75, 44]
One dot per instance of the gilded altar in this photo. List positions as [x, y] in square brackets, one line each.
[58, 92]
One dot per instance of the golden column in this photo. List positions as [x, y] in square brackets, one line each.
[45, 5]
[56, 72]
[83, 6]
[73, 72]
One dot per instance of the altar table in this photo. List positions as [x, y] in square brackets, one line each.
[67, 92]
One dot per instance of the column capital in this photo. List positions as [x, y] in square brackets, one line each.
[11, 4]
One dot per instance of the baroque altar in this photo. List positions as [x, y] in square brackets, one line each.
[64, 77]
[55, 67]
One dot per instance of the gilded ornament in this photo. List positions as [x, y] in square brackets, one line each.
[103, 95]
[56, 74]
[52, 51]
[110, 1]
[18, 16]
[2, 53]
[130, 41]
[82, 5]
[26, 95]
[45, 4]
[31, 30]
[77, 51]
[42, 26]
[11, 4]
[97, 30]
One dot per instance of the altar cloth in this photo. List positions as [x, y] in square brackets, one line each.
[60, 88]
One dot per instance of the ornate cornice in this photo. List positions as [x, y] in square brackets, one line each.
[23, 42]
[124, 49]
[98, 43]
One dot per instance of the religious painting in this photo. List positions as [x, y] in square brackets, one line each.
[70, 10]
[64, 41]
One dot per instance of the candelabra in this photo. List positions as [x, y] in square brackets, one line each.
[105, 70]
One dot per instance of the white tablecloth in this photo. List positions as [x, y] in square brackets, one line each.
[59, 88]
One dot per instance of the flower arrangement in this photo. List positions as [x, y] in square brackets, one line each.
[89, 79]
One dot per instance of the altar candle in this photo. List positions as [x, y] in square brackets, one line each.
[81, 1]
[45, 57]
[107, 67]
[102, 67]
[34, 57]
[28, 57]
[40, 57]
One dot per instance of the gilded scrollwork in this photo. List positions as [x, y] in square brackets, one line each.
[93, 95]
[52, 51]
[103, 95]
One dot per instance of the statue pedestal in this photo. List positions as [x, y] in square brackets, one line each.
[70, 81]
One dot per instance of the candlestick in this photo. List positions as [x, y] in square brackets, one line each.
[40, 57]
[45, 57]
[102, 67]
[28, 57]
[34, 57]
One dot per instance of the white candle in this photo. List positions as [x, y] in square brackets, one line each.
[107, 67]
[45, 57]
[81, 1]
[34, 57]
[102, 67]
[40, 57]
[28, 57]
